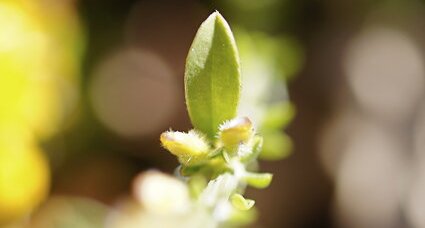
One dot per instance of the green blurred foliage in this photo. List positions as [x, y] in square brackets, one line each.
[267, 64]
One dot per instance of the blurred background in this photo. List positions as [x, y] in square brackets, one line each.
[86, 88]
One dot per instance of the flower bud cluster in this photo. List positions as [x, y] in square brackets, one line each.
[192, 148]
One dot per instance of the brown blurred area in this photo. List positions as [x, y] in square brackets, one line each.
[359, 131]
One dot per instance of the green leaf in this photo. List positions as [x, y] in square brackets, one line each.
[240, 203]
[259, 180]
[212, 76]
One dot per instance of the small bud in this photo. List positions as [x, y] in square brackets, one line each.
[240, 203]
[236, 131]
[189, 147]
[251, 150]
[259, 180]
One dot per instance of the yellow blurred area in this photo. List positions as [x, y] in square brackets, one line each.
[22, 50]
[24, 174]
[38, 66]
[39, 63]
